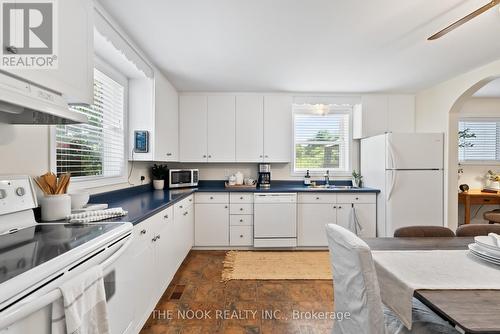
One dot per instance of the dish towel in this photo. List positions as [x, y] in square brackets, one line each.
[82, 308]
[400, 273]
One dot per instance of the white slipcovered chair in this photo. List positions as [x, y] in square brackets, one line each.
[356, 291]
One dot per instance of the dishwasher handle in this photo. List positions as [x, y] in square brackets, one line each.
[275, 198]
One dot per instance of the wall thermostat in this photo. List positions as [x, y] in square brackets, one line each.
[141, 141]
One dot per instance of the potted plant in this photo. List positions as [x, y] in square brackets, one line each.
[356, 179]
[494, 180]
[159, 173]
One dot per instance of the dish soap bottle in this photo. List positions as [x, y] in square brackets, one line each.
[307, 179]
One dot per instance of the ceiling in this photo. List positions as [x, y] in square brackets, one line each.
[492, 89]
[308, 45]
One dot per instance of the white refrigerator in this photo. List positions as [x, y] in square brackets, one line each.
[408, 170]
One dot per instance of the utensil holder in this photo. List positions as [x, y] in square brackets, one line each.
[55, 207]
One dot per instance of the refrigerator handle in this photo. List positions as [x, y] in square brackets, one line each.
[393, 183]
[391, 155]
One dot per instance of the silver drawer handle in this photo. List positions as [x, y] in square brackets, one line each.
[166, 216]
[143, 231]
[185, 213]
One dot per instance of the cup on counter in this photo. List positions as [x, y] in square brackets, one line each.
[55, 207]
[249, 181]
[79, 199]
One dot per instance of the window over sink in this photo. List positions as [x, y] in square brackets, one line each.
[322, 138]
[479, 140]
[96, 151]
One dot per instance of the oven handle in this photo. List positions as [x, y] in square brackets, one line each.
[33, 304]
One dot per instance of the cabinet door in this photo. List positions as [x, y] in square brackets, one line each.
[367, 217]
[401, 113]
[166, 131]
[312, 219]
[221, 128]
[186, 234]
[277, 128]
[371, 119]
[74, 75]
[166, 263]
[211, 225]
[249, 128]
[344, 215]
[193, 128]
[145, 288]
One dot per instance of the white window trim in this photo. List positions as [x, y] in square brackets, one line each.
[86, 182]
[333, 171]
[478, 162]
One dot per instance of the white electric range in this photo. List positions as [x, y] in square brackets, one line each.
[36, 258]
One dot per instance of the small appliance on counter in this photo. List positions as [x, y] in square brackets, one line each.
[264, 176]
[181, 178]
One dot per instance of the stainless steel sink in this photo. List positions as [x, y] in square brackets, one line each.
[333, 187]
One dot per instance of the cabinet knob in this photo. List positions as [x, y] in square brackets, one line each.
[166, 216]
[169, 154]
[357, 198]
[158, 237]
[225, 207]
[241, 209]
[260, 156]
[11, 49]
[317, 198]
[241, 197]
[209, 156]
[334, 206]
[211, 197]
[190, 199]
[340, 207]
[266, 156]
[241, 235]
[154, 239]
[143, 231]
[204, 155]
[185, 213]
[241, 220]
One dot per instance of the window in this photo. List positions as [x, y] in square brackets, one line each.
[96, 149]
[322, 138]
[479, 140]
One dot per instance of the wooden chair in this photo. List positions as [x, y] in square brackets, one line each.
[423, 232]
[492, 216]
[473, 230]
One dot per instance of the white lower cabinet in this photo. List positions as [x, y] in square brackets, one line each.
[241, 235]
[160, 244]
[211, 224]
[317, 210]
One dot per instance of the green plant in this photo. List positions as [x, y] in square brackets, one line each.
[463, 136]
[357, 176]
[159, 172]
[493, 176]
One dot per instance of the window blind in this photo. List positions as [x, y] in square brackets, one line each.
[485, 146]
[321, 139]
[96, 148]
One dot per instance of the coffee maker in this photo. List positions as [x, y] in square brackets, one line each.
[264, 175]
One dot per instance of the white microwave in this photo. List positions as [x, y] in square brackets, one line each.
[179, 178]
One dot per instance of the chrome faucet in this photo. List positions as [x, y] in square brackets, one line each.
[327, 178]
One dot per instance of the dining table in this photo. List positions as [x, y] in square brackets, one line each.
[468, 310]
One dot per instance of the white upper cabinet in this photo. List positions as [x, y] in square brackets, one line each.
[221, 128]
[74, 75]
[249, 128]
[166, 133]
[379, 114]
[277, 128]
[193, 128]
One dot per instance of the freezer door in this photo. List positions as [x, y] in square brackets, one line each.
[414, 197]
[414, 151]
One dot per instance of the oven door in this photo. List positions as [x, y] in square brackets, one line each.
[181, 178]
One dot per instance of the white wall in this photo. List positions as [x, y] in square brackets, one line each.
[437, 111]
[474, 175]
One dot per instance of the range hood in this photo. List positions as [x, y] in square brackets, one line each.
[22, 102]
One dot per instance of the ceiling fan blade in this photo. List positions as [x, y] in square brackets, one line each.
[464, 20]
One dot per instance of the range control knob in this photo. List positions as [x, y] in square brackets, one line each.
[20, 191]
[3, 194]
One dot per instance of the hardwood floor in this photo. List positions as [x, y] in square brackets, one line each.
[250, 307]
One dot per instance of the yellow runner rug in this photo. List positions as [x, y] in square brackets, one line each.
[277, 265]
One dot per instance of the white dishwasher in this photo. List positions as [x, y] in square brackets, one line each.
[275, 220]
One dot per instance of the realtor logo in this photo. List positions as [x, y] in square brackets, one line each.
[28, 34]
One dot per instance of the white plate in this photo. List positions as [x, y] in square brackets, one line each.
[479, 254]
[486, 244]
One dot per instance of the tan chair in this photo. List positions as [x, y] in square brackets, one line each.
[492, 216]
[423, 232]
[473, 230]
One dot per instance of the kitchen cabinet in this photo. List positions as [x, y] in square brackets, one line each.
[249, 128]
[378, 114]
[221, 135]
[154, 107]
[277, 128]
[211, 220]
[315, 210]
[74, 75]
[193, 128]
[241, 219]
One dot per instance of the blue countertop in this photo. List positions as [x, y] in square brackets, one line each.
[142, 202]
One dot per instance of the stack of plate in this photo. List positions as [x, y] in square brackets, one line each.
[487, 248]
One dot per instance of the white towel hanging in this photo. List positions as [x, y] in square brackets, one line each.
[354, 225]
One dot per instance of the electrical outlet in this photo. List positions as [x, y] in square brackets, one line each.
[143, 178]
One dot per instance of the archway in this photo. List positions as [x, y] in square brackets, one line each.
[453, 159]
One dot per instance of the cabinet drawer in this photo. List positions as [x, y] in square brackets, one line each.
[241, 220]
[212, 198]
[241, 198]
[317, 198]
[241, 236]
[356, 198]
[241, 209]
